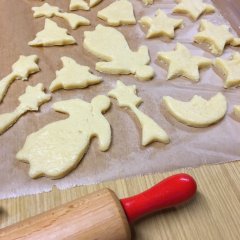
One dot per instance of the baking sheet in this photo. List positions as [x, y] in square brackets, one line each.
[189, 147]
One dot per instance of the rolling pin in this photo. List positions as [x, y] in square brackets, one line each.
[101, 215]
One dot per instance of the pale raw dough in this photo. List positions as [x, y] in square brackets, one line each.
[126, 97]
[109, 44]
[217, 36]
[82, 4]
[193, 8]
[182, 63]
[21, 69]
[49, 11]
[198, 112]
[231, 70]
[160, 25]
[147, 2]
[56, 149]
[73, 75]
[31, 100]
[52, 35]
[237, 111]
[118, 13]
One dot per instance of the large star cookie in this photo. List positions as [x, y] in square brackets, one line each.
[160, 25]
[118, 13]
[183, 63]
[193, 8]
[230, 69]
[217, 36]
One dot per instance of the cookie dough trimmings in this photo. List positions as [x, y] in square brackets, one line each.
[72, 76]
[118, 13]
[52, 35]
[31, 100]
[182, 63]
[49, 11]
[230, 70]
[110, 45]
[25, 66]
[198, 112]
[127, 97]
[216, 36]
[193, 8]
[82, 4]
[56, 149]
[160, 25]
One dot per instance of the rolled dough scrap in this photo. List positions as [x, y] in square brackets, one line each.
[56, 149]
[118, 13]
[31, 100]
[193, 8]
[160, 25]
[49, 11]
[73, 75]
[182, 63]
[52, 35]
[127, 97]
[231, 70]
[217, 36]
[237, 111]
[110, 45]
[198, 112]
[25, 66]
[82, 4]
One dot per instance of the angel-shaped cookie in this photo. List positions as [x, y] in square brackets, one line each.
[56, 149]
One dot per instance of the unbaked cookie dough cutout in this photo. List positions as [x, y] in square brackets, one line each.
[127, 97]
[49, 11]
[25, 66]
[147, 2]
[52, 35]
[118, 13]
[31, 100]
[216, 36]
[160, 25]
[236, 111]
[182, 63]
[198, 112]
[193, 8]
[230, 69]
[56, 149]
[83, 4]
[110, 45]
[73, 75]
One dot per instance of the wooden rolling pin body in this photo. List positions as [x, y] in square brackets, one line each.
[98, 216]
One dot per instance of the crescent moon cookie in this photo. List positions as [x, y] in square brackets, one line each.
[217, 36]
[182, 63]
[118, 13]
[110, 45]
[193, 8]
[198, 112]
[52, 35]
[160, 25]
[230, 69]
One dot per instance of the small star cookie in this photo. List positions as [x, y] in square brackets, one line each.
[118, 13]
[160, 25]
[230, 69]
[182, 63]
[193, 8]
[217, 36]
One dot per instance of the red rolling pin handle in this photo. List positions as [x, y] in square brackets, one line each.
[170, 192]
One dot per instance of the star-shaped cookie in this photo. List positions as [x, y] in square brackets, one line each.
[182, 63]
[160, 25]
[230, 69]
[217, 36]
[193, 8]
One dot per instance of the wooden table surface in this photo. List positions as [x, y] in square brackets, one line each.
[213, 214]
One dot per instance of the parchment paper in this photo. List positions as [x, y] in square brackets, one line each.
[189, 147]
